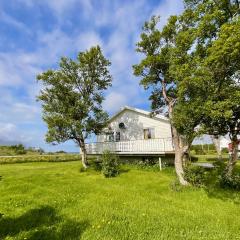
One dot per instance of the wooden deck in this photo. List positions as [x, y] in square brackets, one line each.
[160, 146]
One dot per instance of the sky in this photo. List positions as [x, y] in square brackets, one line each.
[35, 34]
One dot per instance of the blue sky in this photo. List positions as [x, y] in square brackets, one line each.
[36, 33]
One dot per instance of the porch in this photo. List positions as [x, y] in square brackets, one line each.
[133, 147]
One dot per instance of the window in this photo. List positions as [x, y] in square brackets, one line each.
[148, 133]
[117, 136]
[110, 137]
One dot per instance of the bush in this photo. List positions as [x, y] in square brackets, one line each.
[214, 158]
[146, 163]
[110, 164]
[201, 152]
[193, 159]
[195, 175]
[97, 165]
[219, 166]
[212, 152]
[229, 181]
[193, 152]
[20, 151]
[225, 150]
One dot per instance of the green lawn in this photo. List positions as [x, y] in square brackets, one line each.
[210, 157]
[57, 201]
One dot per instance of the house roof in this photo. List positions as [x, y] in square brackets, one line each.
[137, 110]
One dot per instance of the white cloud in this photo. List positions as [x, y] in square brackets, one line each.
[86, 40]
[9, 134]
[28, 111]
[20, 113]
[114, 101]
[16, 68]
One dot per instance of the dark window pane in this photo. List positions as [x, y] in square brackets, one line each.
[117, 136]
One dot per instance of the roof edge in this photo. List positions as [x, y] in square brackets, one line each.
[144, 112]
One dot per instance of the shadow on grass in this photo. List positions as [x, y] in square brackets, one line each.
[124, 170]
[223, 194]
[42, 223]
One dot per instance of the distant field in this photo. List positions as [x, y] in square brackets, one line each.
[39, 158]
[56, 201]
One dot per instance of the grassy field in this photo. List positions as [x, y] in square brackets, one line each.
[57, 201]
[39, 158]
[210, 157]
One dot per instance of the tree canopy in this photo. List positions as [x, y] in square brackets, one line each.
[72, 98]
[192, 67]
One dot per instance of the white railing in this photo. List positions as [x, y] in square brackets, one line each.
[159, 145]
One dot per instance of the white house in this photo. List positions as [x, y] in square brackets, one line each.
[224, 141]
[133, 131]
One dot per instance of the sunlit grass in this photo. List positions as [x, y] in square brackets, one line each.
[57, 201]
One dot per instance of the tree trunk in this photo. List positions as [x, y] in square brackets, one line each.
[186, 146]
[179, 152]
[83, 153]
[216, 142]
[234, 156]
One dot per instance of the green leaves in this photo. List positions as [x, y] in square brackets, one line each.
[193, 65]
[73, 94]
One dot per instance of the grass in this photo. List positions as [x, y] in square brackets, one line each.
[57, 201]
[210, 157]
[39, 158]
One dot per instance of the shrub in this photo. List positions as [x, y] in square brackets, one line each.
[146, 163]
[229, 181]
[212, 152]
[210, 159]
[20, 151]
[200, 152]
[97, 165]
[225, 150]
[195, 175]
[193, 159]
[110, 164]
[219, 166]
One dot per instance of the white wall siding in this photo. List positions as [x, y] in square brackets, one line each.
[135, 123]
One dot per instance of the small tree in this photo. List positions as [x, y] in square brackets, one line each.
[72, 98]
